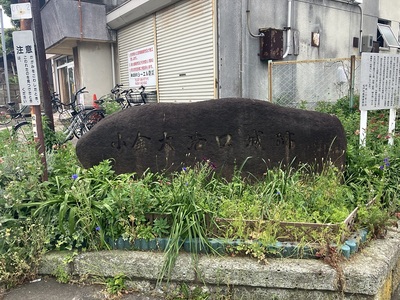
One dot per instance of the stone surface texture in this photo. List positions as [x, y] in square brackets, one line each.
[228, 133]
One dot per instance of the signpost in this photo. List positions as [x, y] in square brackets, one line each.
[379, 88]
[24, 48]
[25, 58]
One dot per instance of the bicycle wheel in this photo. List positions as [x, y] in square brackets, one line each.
[91, 119]
[5, 116]
[23, 133]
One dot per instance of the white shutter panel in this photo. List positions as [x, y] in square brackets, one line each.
[186, 51]
[134, 36]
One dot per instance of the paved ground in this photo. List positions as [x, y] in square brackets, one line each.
[49, 289]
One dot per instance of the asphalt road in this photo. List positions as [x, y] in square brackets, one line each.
[47, 288]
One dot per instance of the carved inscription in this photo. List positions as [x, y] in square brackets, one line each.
[228, 132]
[285, 139]
[197, 142]
[255, 139]
[119, 143]
[166, 142]
[140, 142]
[224, 140]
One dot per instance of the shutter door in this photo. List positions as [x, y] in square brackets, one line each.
[134, 36]
[185, 51]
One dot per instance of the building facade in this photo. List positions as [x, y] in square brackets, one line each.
[193, 50]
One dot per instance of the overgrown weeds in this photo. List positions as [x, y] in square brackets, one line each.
[89, 209]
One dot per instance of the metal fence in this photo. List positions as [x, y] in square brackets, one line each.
[306, 83]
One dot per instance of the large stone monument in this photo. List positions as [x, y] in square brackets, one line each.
[225, 132]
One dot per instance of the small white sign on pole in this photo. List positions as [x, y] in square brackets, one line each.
[24, 50]
[141, 67]
[21, 11]
[380, 88]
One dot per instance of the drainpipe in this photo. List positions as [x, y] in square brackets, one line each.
[248, 21]
[80, 18]
[361, 28]
[112, 64]
[288, 29]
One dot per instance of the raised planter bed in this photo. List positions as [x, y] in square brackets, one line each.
[293, 231]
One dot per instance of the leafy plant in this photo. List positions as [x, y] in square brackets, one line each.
[160, 227]
[116, 284]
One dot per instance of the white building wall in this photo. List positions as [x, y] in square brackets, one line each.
[95, 67]
[242, 74]
[390, 10]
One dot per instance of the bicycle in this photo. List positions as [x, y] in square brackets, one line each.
[133, 96]
[80, 119]
[9, 112]
[56, 104]
[124, 99]
[22, 129]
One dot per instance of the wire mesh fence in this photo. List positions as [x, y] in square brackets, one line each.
[303, 84]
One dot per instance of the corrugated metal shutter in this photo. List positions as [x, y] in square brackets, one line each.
[186, 54]
[137, 35]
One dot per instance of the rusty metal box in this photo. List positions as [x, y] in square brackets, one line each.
[271, 43]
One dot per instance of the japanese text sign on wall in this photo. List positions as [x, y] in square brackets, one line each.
[25, 58]
[141, 67]
[380, 85]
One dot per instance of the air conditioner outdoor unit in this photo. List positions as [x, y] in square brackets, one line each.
[367, 43]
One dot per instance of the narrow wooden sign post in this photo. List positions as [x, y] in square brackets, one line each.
[28, 77]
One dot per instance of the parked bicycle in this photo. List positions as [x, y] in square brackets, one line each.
[21, 128]
[56, 104]
[138, 96]
[121, 99]
[9, 112]
[78, 119]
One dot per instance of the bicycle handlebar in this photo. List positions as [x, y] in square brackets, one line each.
[82, 90]
[116, 88]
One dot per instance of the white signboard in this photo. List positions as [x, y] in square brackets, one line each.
[21, 11]
[380, 81]
[141, 67]
[379, 89]
[24, 50]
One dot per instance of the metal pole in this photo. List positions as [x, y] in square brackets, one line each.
[3, 44]
[352, 81]
[270, 81]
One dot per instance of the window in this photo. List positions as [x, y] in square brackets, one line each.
[386, 37]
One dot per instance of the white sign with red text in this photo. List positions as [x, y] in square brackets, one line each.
[141, 67]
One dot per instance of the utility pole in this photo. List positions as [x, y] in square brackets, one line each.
[3, 44]
[41, 55]
[26, 24]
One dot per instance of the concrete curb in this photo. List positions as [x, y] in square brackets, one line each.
[373, 273]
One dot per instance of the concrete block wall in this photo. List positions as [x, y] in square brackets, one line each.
[371, 274]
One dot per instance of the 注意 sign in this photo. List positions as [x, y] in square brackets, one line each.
[24, 50]
[141, 67]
